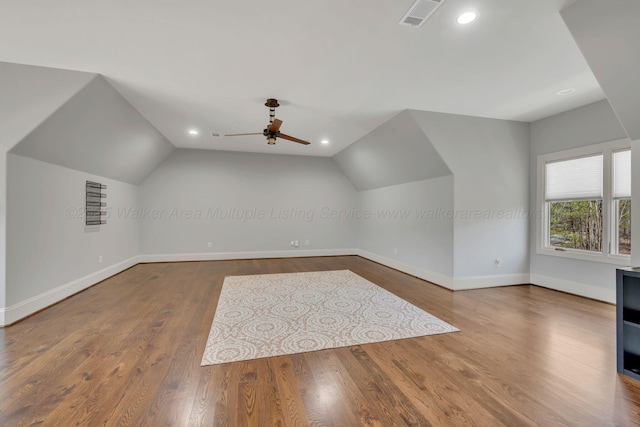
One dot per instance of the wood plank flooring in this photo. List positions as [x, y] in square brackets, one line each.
[127, 352]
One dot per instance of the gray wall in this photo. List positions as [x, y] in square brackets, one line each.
[591, 124]
[98, 131]
[63, 128]
[29, 96]
[410, 223]
[489, 160]
[242, 202]
[481, 171]
[607, 33]
[47, 243]
[475, 170]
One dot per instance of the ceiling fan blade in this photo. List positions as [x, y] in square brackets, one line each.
[241, 134]
[293, 138]
[275, 126]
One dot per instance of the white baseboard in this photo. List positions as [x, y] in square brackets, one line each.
[575, 288]
[217, 256]
[27, 307]
[430, 276]
[453, 283]
[481, 282]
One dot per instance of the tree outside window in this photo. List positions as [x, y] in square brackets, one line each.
[576, 225]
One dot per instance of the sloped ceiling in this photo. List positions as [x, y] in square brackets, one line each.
[30, 95]
[608, 34]
[340, 68]
[99, 132]
[396, 152]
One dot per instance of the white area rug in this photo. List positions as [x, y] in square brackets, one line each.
[274, 314]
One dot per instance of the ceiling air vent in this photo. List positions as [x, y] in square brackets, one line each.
[420, 12]
[216, 134]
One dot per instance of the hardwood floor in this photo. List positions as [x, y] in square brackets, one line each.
[127, 352]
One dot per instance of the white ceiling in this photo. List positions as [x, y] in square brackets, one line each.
[339, 68]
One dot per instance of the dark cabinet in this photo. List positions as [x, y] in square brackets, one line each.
[628, 321]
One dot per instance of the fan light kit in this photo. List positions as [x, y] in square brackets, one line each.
[272, 131]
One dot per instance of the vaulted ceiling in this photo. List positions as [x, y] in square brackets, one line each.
[339, 69]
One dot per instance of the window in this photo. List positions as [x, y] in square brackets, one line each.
[622, 204]
[574, 199]
[585, 200]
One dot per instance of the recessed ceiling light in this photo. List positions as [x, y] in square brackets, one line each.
[193, 132]
[465, 18]
[325, 141]
[567, 91]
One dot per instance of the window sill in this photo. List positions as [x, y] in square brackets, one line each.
[624, 260]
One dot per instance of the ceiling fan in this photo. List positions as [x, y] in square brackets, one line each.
[272, 132]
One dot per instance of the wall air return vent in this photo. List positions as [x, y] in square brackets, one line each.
[420, 12]
[216, 134]
[95, 203]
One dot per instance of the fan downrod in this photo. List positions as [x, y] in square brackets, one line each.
[272, 103]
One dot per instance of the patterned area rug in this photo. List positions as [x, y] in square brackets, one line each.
[274, 314]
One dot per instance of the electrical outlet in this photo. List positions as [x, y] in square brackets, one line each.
[395, 251]
[209, 244]
[498, 262]
[296, 244]
[293, 243]
[100, 259]
[307, 242]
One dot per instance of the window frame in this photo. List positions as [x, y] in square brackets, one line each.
[609, 216]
